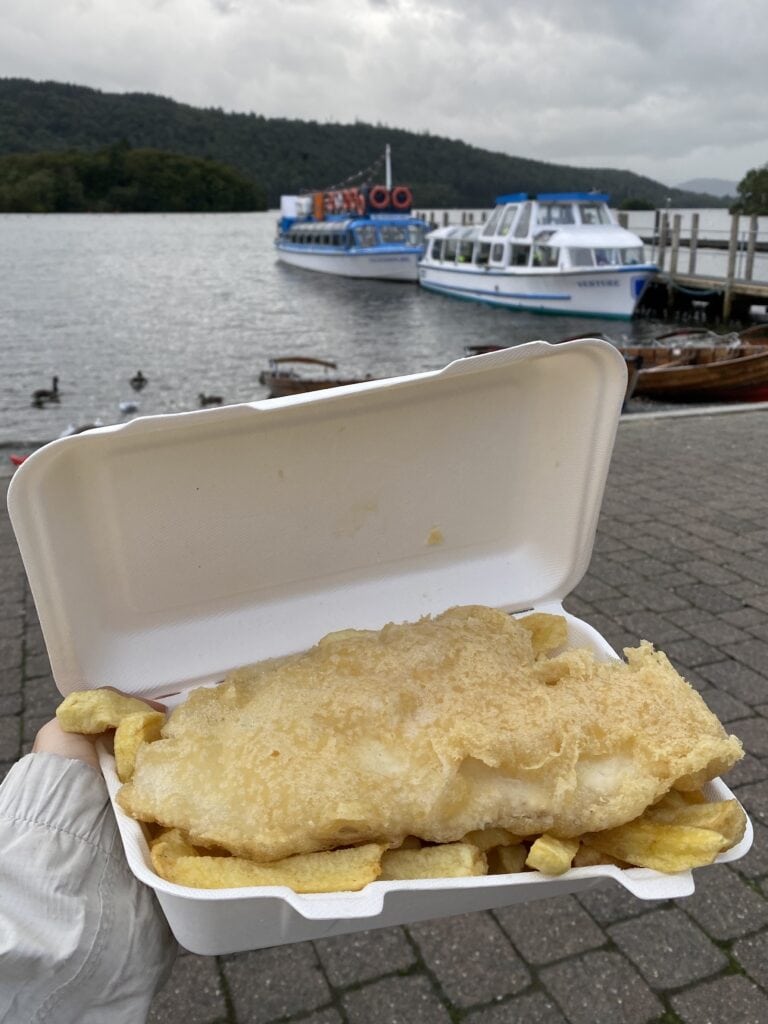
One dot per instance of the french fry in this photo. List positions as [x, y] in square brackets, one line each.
[589, 857]
[507, 860]
[652, 844]
[548, 632]
[723, 816]
[95, 711]
[345, 870]
[551, 856]
[487, 838]
[133, 732]
[450, 860]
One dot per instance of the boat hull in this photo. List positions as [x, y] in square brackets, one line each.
[743, 378]
[612, 293]
[384, 265]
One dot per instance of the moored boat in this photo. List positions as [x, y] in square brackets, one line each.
[701, 367]
[283, 376]
[365, 231]
[554, 253]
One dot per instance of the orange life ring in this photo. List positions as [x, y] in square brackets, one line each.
[378, 197]
[402, 197]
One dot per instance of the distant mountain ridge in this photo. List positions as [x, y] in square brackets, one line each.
[712, 186]
[288, 156]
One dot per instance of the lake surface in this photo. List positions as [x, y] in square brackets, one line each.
[199, 304]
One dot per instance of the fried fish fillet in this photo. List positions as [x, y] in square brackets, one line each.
[435, 729]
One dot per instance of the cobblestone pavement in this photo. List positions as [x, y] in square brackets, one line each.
[681, 559]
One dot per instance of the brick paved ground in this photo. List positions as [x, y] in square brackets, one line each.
[682, 559]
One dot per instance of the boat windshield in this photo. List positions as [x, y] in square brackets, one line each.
[508, 219]
[555, 214]
[594, 213]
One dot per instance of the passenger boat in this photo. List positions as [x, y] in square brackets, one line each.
[283, 376]
[701, 367]
[555, 253]
[367, 231]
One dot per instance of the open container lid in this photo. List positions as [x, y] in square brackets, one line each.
[168, 550]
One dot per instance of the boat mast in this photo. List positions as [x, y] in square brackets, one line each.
[388, 167]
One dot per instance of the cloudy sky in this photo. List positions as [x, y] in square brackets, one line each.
[674, 89]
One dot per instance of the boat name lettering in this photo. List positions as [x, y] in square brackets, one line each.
[598, 284]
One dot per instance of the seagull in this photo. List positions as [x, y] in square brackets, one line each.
[43, 395]
[128, 407]
[210, 399]
[138, 381]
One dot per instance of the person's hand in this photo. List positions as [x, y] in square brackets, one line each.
[52, 739]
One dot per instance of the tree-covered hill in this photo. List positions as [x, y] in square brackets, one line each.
[286, 156]
[118, 179]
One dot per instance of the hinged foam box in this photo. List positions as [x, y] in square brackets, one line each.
[163, 552]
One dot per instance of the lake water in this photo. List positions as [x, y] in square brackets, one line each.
[199, 304]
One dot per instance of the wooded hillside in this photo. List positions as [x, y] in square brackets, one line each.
[288, 156]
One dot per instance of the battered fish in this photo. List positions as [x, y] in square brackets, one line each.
[433, 729]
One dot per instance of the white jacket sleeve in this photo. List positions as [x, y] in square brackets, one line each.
[81, 940]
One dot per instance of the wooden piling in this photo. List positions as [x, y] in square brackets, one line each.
[693, 243]
[676, 223]
[749, 266]
[663, 232]
[730, 273]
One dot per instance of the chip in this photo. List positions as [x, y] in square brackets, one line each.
[551, 856]
[507, 860]
[652, 844]
[95, 711]
[133, 732]
[448, 860]
[487, 838]
[345, 870]
[723, 816]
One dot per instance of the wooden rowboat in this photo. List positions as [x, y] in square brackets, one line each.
[282, 376]
[700, 366]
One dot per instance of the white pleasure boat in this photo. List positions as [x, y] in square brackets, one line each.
[555, 253]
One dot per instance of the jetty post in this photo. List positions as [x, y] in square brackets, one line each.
[693, 244]
[730, 273]
[676, 223]
[749, 265]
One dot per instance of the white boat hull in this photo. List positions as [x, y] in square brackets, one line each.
[381, 265]
[612, 292]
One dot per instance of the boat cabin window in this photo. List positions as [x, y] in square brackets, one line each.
[524, 222]
[581, 257]
[490, 225]
[497, 253]
[594, 213]
[545, 255]
[435, 247]
[464, 250]
[555, 214]
[449, 250]
[519, 255]
[607, 258]
[482, 253]
[510, 212]
[365, 236]
[416, 234]
[392, 234]
[631, 257]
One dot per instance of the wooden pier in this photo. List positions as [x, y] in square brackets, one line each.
[730, 295]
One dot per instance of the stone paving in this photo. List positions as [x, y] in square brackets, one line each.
[681, 559]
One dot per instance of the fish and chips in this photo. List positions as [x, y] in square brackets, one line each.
[461, 744]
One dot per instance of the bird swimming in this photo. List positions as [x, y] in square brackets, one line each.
[44, 395]
[209, 399]
[138, 381]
